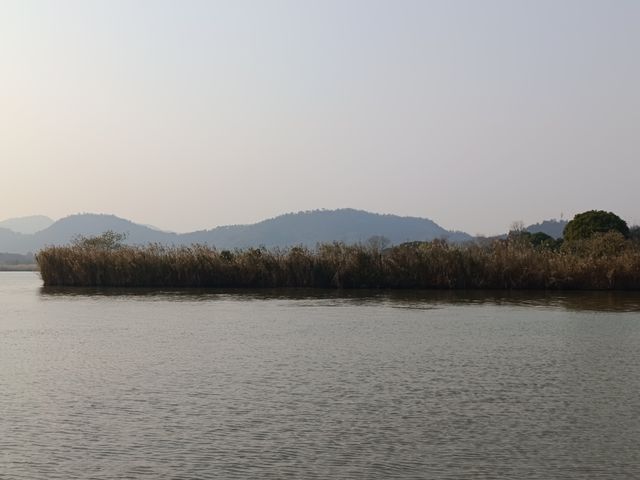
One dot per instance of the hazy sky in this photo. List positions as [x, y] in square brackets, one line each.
[189, 114]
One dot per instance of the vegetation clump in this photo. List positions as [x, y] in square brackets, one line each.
[602, 261]
[585, 225]
[109, 240]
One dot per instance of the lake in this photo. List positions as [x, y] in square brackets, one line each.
[119, 384]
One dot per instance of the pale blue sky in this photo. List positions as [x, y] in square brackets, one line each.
[189, 115]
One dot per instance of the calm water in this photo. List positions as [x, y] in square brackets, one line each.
[195, 385]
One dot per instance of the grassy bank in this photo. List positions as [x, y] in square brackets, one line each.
[605, 262]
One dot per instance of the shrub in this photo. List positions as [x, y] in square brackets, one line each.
[108, 240]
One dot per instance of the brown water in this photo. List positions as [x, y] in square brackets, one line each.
[437, 385]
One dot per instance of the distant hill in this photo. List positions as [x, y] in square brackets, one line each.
[27, 225]
[319, 226]
[66, 229]
[15, 261]
[553, 228]
[89, 224]
[13, 242]
[303, 228]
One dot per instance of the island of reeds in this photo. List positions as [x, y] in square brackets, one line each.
[600, 260]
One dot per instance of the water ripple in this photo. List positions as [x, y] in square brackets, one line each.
[104, 387]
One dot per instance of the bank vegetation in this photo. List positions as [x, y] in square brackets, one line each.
[603, 261]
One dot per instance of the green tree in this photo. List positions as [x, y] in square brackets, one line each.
[586, 224]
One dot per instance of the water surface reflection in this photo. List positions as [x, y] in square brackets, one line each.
[596, 301]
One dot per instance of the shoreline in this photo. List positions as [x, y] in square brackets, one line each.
[19, 268]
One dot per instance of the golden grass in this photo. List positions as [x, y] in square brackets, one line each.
[606, 262]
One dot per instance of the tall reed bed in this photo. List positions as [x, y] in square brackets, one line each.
[602, 263]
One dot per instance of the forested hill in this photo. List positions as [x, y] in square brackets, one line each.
[321, 226]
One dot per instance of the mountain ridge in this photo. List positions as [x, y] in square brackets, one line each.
[296, 228]
[307, 228]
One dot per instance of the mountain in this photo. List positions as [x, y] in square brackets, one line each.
[553, 228]
[13, 242]
[303, 228]
[14, 259]
[66, 229]
[320, 226]
[27, 225]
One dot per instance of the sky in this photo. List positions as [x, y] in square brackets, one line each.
[192, 114]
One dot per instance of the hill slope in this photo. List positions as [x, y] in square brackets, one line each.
[28, 225]
[553, 228]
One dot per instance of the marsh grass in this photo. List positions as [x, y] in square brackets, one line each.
[605, 262]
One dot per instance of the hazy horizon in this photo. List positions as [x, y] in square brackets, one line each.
[141, 222]
[196, 114]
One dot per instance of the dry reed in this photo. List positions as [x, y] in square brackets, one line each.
[605, 262]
